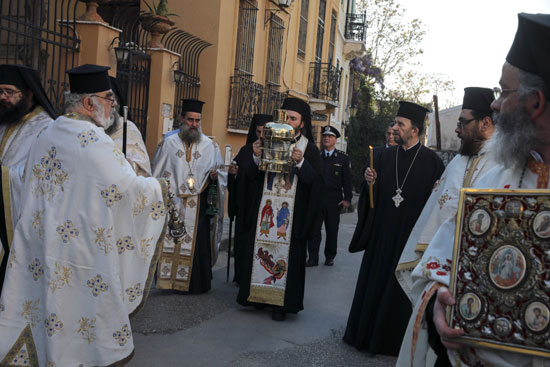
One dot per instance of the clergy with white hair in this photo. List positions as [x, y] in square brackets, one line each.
[84, 250]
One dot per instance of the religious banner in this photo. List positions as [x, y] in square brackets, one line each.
[272, 244]
[501, 270]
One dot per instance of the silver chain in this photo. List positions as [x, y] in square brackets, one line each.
[407, 174]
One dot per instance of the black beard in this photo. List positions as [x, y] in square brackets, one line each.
[470, 146]
[12, 113]
[514, 139]
[189, 136]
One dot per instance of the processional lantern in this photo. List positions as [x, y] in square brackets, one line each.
[278, 138]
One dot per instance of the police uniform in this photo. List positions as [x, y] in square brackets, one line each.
[337, 187]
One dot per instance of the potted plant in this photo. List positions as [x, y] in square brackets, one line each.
[156, 21]
[91, 14]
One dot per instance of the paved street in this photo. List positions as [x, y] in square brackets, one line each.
[213, 330]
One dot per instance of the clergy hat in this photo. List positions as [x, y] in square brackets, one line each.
[478, 99]
[259, 119]
[26, 78]
[413, 112]
[302, 107]
[191, 105]
[331, 130]
[9, 74]
[530, 51]
[89, 79]
[117, 91]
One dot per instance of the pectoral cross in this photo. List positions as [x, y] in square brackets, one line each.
[398, 199]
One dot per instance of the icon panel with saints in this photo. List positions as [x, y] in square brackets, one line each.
[507, 267]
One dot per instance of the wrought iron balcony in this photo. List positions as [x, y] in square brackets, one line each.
[356, 27]
[324, 81]
[245, 100]
[273, 98]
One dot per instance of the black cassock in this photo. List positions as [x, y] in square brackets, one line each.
[238, 192]
[201, 273]
[380, 310]
[306, 203]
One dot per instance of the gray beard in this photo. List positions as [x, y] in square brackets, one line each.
[115, 124]
[99, 116]
[514, 139]
[190, 136]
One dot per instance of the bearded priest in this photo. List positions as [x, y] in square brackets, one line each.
[193, 164]
[84, 249]
[404, 176]
[24, 111]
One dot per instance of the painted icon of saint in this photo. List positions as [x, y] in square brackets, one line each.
[266, 221]
[283, 217]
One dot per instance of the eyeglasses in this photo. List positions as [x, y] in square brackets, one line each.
[9, 92]
[109, 98]
[461, 123]
[497, 92]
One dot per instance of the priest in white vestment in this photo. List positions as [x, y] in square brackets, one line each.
[192, 163]
[24, 112]
[521, 149]
[136, 152]
[475, 126]
[85, 248]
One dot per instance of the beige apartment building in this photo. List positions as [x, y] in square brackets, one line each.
[239, 56]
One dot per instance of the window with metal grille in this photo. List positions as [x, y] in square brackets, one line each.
[332, 38]
[275, 49]
[244, 58]
[41, 35]
[320, 30]
[302, 33]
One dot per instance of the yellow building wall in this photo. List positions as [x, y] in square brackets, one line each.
[216, 21]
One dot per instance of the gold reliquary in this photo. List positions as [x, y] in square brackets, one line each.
[278, 138]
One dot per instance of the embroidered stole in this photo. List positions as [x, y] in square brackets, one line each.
[176, 259]
[272, 238]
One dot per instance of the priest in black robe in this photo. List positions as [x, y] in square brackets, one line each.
[238, 188]
[309, 188]
[404, 176]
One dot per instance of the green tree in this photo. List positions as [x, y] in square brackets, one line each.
[368, 125]
[391, 39]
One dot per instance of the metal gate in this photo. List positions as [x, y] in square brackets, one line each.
[41, 35]
[133, 72]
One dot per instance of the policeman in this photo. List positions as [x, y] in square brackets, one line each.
[337, 195]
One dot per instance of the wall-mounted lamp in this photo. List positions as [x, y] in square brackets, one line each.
[282, 4]
[179, 75]
[121, 52]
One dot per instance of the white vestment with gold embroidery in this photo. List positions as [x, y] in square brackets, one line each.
[83, 252]
[177, 162]
[16, 141]
[441, 205]
[136, 153]
[17, 145]
[433, 271]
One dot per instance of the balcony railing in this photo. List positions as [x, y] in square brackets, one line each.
[356, 27]
[273, 98]
[324, 81]
[244, 101]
